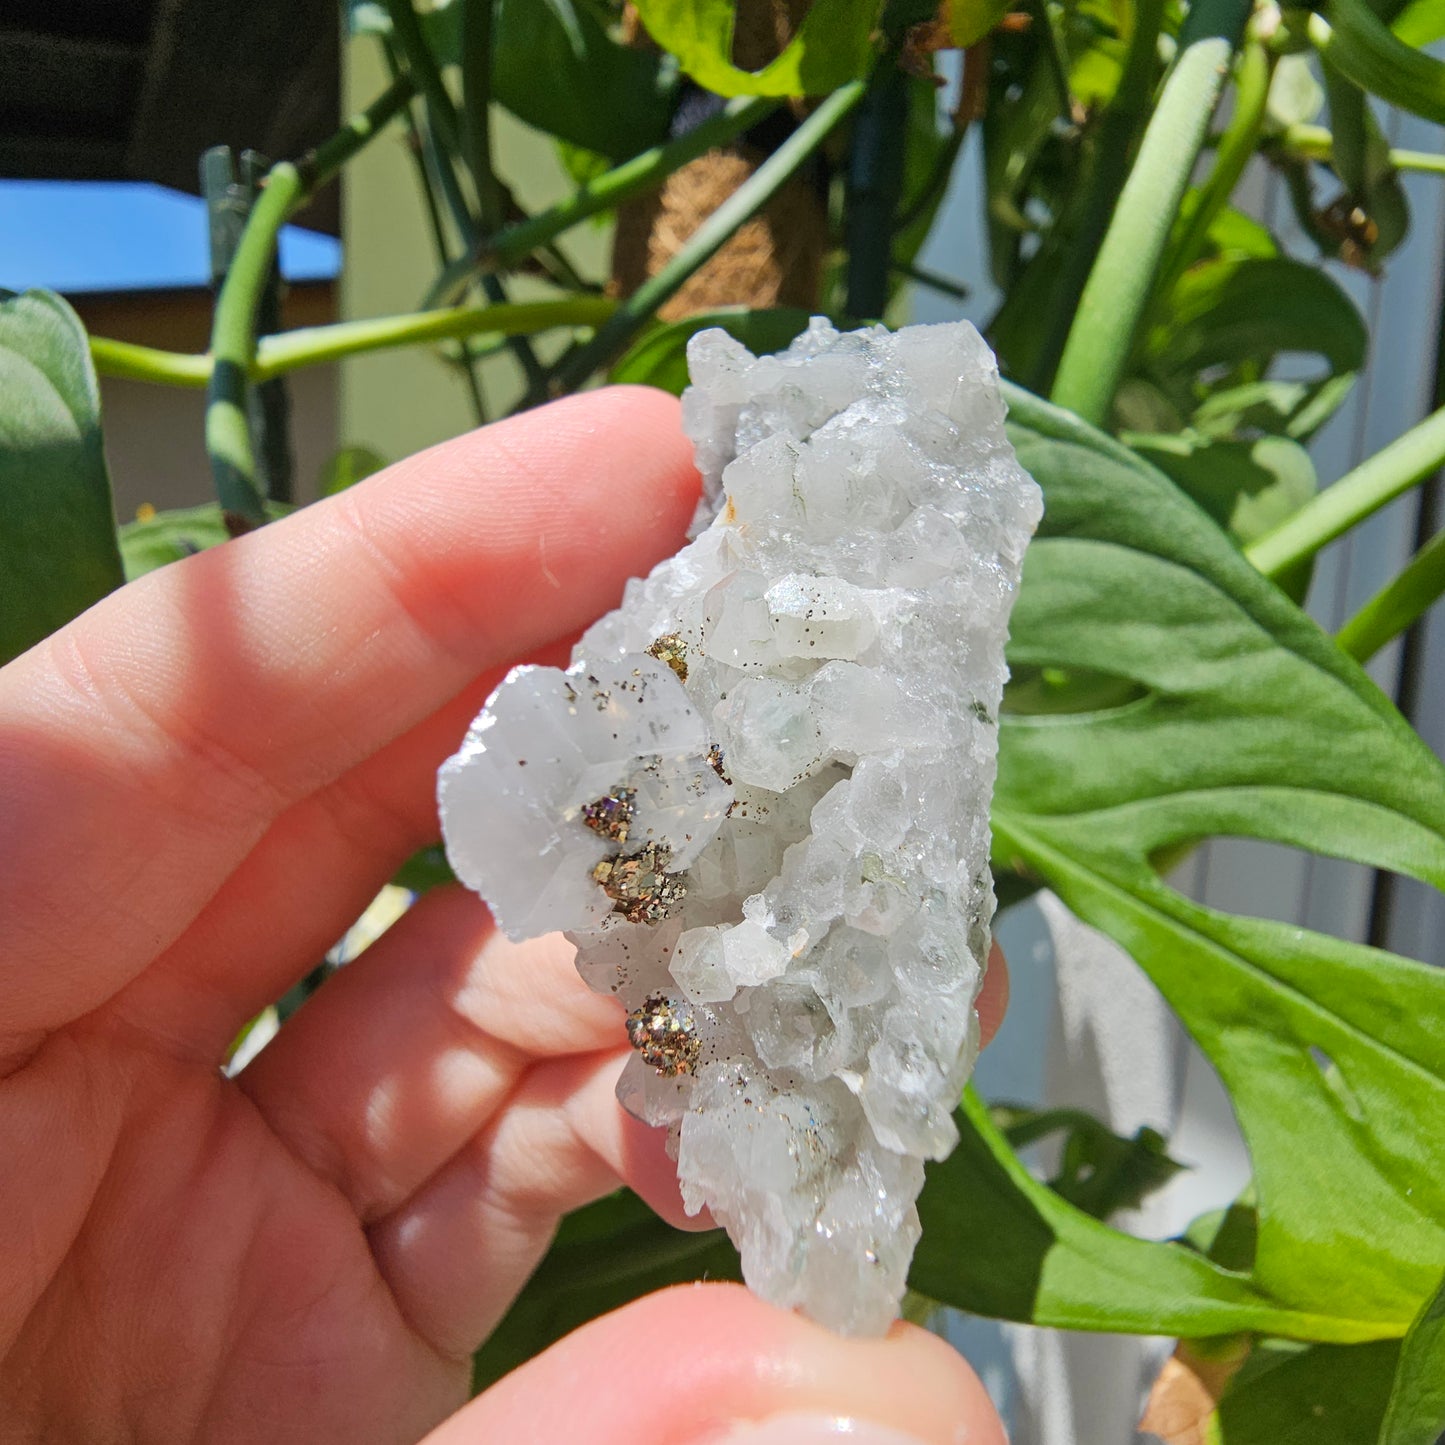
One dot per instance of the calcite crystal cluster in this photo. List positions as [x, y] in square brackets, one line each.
[758, 800]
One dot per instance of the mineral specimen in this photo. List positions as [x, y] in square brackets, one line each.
[758, 800]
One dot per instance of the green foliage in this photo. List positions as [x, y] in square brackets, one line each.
[426, 869]
[1099, 1172]
[660, 358]
[1252, 723]
[57, 526]
[999, 1243]
[832, 46]
[1364, 48]
[556, 67]
[347, 467]
[1248, 487]
[1416, 1412]
[1229, 319]
[1321, 1395]
[604, 1255]
[153, 541]
[970, 20]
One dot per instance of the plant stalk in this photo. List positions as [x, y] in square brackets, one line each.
[708, 239]
[1236, 146]
[1398, 603]
[425, 74]
[233, 326]
[233, 347]
[1360, 493]
[1315, 143]
[467, 362]
[924, 277]
[476, 47]
[1121, 282]
[873, 191]
[314, 345]
[322, 162]
[1112, 148]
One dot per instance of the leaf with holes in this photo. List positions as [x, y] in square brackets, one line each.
[1247, 720]
[998, 1242]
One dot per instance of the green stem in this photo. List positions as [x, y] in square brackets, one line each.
[635, 177]
[149, 363]
[1236, 147]
[233, 325]
[466, 224]
[476, 57]
[233, 346]
[310, 346]
[1054, 56]
[1110, 154]
[741, 206]
[937, 182]
[924, 277]
[1392, 609]
[1358, 494]
[420, 61]
[467, 361]
[314, 345]
[873, 190]
[317, 166]
[1315, 143]
[1102, 335]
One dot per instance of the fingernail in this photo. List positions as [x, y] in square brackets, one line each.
[816, 1430]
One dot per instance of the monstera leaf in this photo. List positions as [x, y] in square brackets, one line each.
[1248, 721]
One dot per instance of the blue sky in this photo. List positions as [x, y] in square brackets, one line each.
[121, 236]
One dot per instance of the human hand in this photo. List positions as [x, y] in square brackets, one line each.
[204, 780]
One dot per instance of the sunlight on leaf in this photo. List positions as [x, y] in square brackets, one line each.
[57, 525]
[832, 46]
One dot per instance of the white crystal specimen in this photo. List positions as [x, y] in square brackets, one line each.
[758, 801]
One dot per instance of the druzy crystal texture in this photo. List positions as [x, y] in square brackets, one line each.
[758, 800]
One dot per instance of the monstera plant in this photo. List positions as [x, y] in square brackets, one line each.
[1167, 687]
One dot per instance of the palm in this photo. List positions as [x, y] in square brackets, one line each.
[236, 1282]
[193, 815]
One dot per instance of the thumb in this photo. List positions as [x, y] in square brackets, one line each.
[712, 1365]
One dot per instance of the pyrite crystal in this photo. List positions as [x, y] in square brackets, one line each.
[758, 800]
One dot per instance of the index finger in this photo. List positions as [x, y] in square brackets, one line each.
[148, 745]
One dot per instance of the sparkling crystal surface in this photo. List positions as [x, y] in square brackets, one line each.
[758, 801]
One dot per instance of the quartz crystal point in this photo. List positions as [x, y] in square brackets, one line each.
[758, 800]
